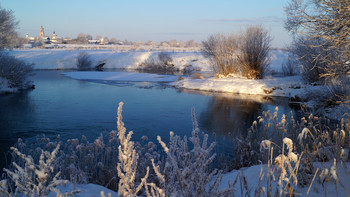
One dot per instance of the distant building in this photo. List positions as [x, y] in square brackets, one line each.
[42, 35]
[53, 38]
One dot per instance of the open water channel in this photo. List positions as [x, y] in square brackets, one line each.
[71, 108]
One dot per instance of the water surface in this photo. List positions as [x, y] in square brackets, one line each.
[71, 108]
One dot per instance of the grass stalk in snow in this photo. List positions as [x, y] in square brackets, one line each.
[127, 164]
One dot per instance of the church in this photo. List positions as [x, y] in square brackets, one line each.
[53, 39]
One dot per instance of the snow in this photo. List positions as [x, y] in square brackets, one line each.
[274, 86]
[66, 59]
[252, 177]
[121, 76]
[125, 57]
[86, 190]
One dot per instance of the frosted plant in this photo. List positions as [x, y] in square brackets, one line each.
[4, 188]
[127, 165]
[149, 152]
[267, 145]
[83, 162]
[287, 171]
[187, 171]
[36, 179]
[331, 174]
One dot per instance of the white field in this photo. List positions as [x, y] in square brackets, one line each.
[124, 57]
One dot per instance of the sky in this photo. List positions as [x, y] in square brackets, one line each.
[142, 20]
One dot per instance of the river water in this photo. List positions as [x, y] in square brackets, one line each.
[71, 108]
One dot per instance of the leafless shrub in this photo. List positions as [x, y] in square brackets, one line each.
[245, 53]
[15, 71]
[254, 48]
[221, 51]
[165, 58]
[163, 63]
[84, 61]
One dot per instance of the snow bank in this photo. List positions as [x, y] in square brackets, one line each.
[66, 59]
[114, 58]
[88, 190]
[274, 86]
[252, 177]
[121, 76]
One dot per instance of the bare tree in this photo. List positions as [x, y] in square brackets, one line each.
[82, 38]
[88, 37]
[113, 40]
[8, 25]
[328, 20]
[191, 43]
[105, 40]
[98, 37]
[308, 51]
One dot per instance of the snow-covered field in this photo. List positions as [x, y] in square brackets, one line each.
[67, 59]
[127, 58]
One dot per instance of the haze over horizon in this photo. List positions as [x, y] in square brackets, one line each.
[156, 20]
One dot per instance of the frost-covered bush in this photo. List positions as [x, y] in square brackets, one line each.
[163, 63]
[34, 179]
[84, 61]
[187, 171]
[8, 26]
[15, 71]
[127, 164]
[84, 162]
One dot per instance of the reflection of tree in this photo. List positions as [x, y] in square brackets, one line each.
[229, 116]
[15, 111]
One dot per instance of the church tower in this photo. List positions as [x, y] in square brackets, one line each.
[42, 31]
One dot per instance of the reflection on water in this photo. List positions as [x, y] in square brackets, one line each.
[229, 116]
[22, 111]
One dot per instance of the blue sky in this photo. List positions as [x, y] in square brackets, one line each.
[141, 20]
